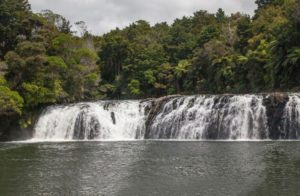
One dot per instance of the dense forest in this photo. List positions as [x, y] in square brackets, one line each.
[43, 62]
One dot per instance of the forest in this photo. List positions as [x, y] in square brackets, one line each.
[44, 62]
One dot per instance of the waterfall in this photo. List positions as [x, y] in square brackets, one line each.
[201, 117]
[291, 118]
[211, 117]
[85, 121]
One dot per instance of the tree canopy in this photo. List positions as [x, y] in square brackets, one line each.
[43, 62]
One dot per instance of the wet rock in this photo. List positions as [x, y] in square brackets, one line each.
[156, 108]
[86, 128]
[113, 117]
[79, 130]
[275, 104]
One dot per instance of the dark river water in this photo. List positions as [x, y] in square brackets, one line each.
[150, 168]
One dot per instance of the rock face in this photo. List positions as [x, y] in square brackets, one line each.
[82, 123]
[153, 110]
[11, 131]
[275, 108]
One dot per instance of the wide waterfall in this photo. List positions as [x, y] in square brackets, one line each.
[121, 120]
[291, 118]
[201, 117]
[211, 117]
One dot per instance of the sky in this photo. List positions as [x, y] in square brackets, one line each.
[101, 16]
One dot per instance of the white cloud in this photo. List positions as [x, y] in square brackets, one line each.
[104, 15]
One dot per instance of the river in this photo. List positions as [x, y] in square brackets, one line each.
[150, 168]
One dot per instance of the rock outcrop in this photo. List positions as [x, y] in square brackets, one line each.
[275, 105]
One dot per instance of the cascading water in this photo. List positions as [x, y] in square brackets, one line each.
[99, 120]
[211, 117]
[206, 117]
[291, 118]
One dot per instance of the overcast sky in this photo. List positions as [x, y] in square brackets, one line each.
[102, 16]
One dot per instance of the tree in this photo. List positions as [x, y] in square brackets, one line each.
[134, 87]
[61, 23]
[220, 15]
[244, 33]
[265, 3]
[45, 63]
[14, 22]
[82, 28]
[11, 102]
[180, 71]
[113, 53]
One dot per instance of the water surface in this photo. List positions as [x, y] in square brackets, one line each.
[150, 168]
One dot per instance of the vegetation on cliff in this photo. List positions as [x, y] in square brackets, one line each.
[43, 62]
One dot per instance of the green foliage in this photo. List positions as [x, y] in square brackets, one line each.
[293, 57]
[182, 68]
[61, 23]
[220, 15]
[35, 95]
[207, 34]
[10, 101]
[27, 48]
[149, 75]
[134, 87]
[15, 22]
[62, 44]
[264, 3]
[204, 53]
[86, 53]
[56, 63]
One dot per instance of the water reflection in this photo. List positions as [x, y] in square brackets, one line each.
[188, 168]
[282, 170]
[150, 168]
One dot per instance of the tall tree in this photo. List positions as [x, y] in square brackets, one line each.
[15, 22]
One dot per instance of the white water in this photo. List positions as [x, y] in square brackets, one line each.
[237, 117]
[291, 118]
[122, 120]
[183, 118]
